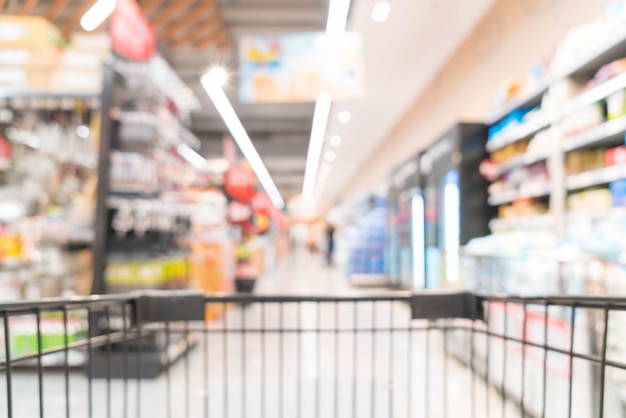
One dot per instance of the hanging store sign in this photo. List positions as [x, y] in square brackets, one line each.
[132, 36]
[284, 68]
[240, 183]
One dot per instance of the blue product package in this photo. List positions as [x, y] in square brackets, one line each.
[618, 193]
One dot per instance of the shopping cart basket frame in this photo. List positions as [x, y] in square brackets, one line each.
[183, 312]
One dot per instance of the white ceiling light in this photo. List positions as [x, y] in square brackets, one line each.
[330, 156]
[335, 140]
[191, 156]
[316, 143]
[217, 76]
[210, 82]
[344, 116]
[337, 17]
[322, 178]
[97, 14]
[325, 167]
[381, 11]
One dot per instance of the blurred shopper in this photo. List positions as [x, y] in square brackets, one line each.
[330, 244]
[246, 270]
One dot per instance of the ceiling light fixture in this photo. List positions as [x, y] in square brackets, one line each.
[210, 82]
[335, 140]
[344, 116]
[337, 17]
[97, 14]
[330, 156]
[381, 11]
[326, 167]
[316, 143]
[217, 76]
[191, 156]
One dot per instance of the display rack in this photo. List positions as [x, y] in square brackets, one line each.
[135, 256]
[562, 181]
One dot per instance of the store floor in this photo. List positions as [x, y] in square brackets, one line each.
[338, 373]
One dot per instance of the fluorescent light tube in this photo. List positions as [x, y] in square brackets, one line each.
[316, 143]
[97, 14]
[191, 156]
[337, 17]
[239, 134]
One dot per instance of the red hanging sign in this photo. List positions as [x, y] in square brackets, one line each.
[132, 36]
[240, 183]
[261, 204]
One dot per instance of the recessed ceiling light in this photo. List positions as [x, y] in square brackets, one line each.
[322, 177]
[381, 10]
[325, 167]
[330, 156]
[344, 116]
[335, 140]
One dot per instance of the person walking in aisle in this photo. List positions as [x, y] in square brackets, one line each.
[330, 244]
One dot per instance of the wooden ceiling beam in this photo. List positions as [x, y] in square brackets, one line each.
[74, 19]
[170, 13]
[198, 32]
[27, 7]
[212, 40]
[188, 21]
[55, 9]
[149, 6]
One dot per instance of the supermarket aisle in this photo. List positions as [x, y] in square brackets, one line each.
[295, 360]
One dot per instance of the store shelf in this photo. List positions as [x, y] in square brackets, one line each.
[612, 214]
[520, 160]
[611, 50]
[587, 98]
[519, 132]
[537, 190]
[596, 136]
[21, 93]
[595, 177]
[525, 223]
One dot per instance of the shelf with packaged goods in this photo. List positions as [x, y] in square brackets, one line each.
[528, 158]
[527, 192]
[526, 223]
[595, 177]
[524, 130]
[605, 133]
[612, 49]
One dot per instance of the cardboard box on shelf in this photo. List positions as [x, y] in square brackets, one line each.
[20, 77]
[27, 32]
[48, 56]
[96, 43]
[65, 79]
[78, 60]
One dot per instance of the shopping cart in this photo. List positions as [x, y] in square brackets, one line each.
[391, 355]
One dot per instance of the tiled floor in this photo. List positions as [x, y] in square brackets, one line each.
[333, 372]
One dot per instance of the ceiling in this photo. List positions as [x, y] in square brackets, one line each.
[401, 59]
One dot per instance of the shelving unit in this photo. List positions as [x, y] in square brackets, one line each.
[613, 49]
[563, 179]
[136, 229]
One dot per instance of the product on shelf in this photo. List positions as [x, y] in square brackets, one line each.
[618, 193]
[590, 201]
[583, 119]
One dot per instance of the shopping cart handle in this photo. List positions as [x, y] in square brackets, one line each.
[442, 304]
[170, 306]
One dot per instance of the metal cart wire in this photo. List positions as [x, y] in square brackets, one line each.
[390, 355]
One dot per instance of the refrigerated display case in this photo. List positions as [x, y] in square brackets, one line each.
[405, 220]
[454, 200]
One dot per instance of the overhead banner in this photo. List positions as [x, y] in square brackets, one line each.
[132, 35]
[287, 68]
